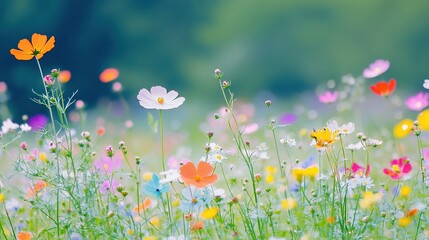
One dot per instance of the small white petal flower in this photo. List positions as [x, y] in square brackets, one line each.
[25, 127]
[8, 125]
[159, 98]
[426, 84]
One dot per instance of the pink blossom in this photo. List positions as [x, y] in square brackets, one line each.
[359, 170]
[376, 68]
[328, 97]
[176, 163]
[399, 167]
[108, 165]
[418, 101]
[107, 186]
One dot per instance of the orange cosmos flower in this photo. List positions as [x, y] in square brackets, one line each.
[143, 206]
[199, 177]
[38, 47]
[109, 74]
[24, 235]
[384, 88]
[38, 186]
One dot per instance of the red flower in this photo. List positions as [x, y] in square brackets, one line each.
[384, 88]
[399, 167]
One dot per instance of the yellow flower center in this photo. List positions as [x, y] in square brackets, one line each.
[194, 201]
[160, 100]
[395, 168]
[197, 178]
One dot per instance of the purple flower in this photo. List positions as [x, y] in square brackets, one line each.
[108, 165]
[38, 121]
[328, 97]
[107, 186]
[287, 118]
[376, 68]
[418, 101]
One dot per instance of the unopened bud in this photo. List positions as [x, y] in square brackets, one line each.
[23, 146]
[268, 103]
[109, 151]
[49, 80]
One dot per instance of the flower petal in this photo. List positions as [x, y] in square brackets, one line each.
[25, 46]
[204, 169]
[407, 168]
[20, 55]
[38, 41]
[49, 45]
[188, 170]
[158, 91]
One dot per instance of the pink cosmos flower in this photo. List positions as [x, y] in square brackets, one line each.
[158, 98]
[107, 186]
[328, 97]
[175, 163]
[376, 68]
[108, 165]
[359, 170]
[418, 101]
[399, 167]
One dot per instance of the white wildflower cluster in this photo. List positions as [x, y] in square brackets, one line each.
[261, 152]
[9, 126]
[215, 153]
[364, 143]
[344, 129]
[289, 141]
[360, 181]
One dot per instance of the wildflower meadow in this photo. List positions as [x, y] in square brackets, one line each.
[349, 162]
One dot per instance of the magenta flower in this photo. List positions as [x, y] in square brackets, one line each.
[328, 97]
[158, 98]
[376, 68]
[360, 170]
[418, 101]
[108, 165]
[399, 167]
[38, 122]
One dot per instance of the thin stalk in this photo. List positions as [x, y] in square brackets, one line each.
[48, 105]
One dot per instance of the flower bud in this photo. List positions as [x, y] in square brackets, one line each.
[85, 135]
[210, 134]
[55, 73]
[138, 160]
[23, 146]
[49, 80]
[109, 151]
[218, 72]
[226, 84]
[268, 103]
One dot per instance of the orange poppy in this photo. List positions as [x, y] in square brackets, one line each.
[38, 47]
[199, 177]
[24, 235]
[384, 88]
[143, 206]
[109, 74]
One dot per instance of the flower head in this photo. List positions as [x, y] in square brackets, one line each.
[376, 68]
[109, 74]
[24, 235]
[384, 88]
[64, 76]
[37, 48]
[403, 128]
[147, 203]
[199, 177]
[209, 213]
[360, 170]
[328, 97]
[324, 137]
[426, 84]
[370, 199]
[418, 101]
[108, 165]
[158, 98]
[423, 119]
[155, 188]
[399, 168]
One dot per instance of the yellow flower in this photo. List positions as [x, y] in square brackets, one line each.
[405, 191]
[270, 169]
[330, 219]
[311, 172]
[369, 199]
[1, 198]
[147, 176]
[130, 232]
[298, 174]
[210, 213]
[404, 221]
[288, 203]
[269, 178]
[43, 157]
[175, 203]
[149, 238]
[324, 137]
[403, 128]
[423, 119]
[155, 221]
[303, 132]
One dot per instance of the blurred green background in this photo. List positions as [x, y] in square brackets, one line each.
[282, 47]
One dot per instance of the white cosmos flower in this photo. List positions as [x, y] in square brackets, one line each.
[158, 98]
[344, 129]
[426, 84]
[8, 125]
[25, 127]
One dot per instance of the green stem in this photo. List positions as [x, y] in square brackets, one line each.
[48, 105]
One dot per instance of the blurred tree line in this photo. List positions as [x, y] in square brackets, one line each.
[285, 47]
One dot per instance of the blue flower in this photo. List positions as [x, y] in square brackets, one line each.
[155, 188]
[194, 198]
